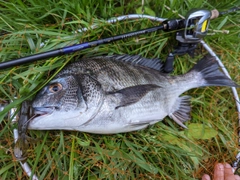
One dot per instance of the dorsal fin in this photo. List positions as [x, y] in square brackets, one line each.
[138, 60]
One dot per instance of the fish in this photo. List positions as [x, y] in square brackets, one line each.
[120, 93]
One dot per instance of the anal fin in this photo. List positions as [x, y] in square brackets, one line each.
[181, 110]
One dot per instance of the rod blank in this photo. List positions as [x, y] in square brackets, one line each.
[74, 48]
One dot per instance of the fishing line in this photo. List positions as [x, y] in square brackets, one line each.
[26, 167]
[61, 51]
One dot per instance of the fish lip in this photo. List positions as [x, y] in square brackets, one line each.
[40, 111]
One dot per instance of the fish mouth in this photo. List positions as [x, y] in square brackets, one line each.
[40, 114]
[41, 111]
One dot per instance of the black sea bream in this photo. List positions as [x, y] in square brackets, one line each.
[119, 93]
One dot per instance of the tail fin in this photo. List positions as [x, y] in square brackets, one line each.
[209, 69]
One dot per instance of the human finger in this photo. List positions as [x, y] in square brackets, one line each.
[237, 177]
[218, 172]
[228, 172]
[206, 177]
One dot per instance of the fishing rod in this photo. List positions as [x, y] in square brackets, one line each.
[74, 48]
[199, 19]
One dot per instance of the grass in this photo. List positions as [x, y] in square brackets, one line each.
[162, 151]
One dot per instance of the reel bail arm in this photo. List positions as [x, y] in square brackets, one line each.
[194, 28]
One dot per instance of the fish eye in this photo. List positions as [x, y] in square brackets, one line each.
[54, 88]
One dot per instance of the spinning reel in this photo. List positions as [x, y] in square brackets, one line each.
[194, 28]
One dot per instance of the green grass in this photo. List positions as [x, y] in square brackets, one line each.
[162, 151]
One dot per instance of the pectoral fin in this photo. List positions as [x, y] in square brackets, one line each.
[181, 110]
[131, 95]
